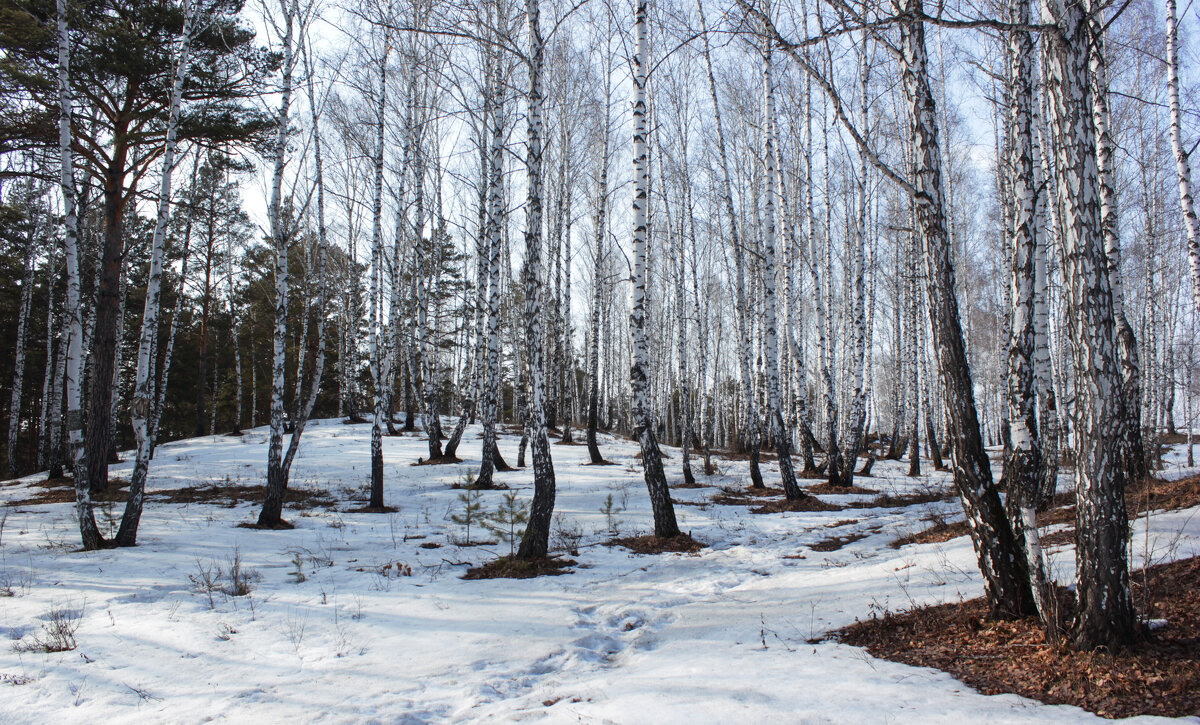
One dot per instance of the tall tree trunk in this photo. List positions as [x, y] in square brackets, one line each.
[88, 530]
[140, 408]
[995, 545]
[271, 515]
[18, 379]
[535, 542]
[1183, 169]
[1105, 611]
[1021, 479]
[379, 342]
[771, 342]
[495, 219]
[1133, 454]
[639, 374]
[593, 419]
[735, 240]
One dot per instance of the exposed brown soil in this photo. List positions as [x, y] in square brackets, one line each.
[694, 484]
[744, 496]
[430, 545]
[808, 503]
[230, 496]
[1159, 675]
[834, 543]
[472, 487]
[510, 567]
[940, 532]
[62, 490]
[604, 462]
[373, 510]
[281, 526]
[650, 544]
[638, 456]
[437, 461]
[902, 500]
[825, 488]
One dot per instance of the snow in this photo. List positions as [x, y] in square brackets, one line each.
[720, 636]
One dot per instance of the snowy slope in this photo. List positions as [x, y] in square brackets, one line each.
[719, 636]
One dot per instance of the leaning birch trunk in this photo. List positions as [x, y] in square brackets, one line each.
[1133, 455]
[377, 344]
[770, 333]
[142, 397]
[1021, 478]
[160, 388]
[18, 379]
[1183, 169]
[535, 542]
[308, 401]
[665, 525]
[996, 548]
[88, 530]
[741, 323]
[271, 515]
[1104, 613]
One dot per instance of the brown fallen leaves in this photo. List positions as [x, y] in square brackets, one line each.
[1158, 676]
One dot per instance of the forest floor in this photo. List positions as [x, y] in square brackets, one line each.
[356, 616]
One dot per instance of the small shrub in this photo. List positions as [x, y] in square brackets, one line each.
[610, 509]
[566, 536]
[471, 513]
[508, 520]
[241, 578]
[58, 632]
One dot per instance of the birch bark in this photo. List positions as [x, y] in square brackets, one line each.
[141, 403]
[74, 315]
[665, 525]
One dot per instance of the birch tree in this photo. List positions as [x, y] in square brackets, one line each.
[537, 531]
[141, 407]
[74, 315]
[1104, 612]
[1183, 169]
[665, 525]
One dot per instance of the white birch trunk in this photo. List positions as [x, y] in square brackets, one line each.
[141, 403]
[272, 510]
[1104, 611]
[18, 378]
[74, 315]
[656, 482]
[1183, 169]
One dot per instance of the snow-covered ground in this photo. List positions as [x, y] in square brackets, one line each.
[715, 637]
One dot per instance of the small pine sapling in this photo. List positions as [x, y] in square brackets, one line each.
[508, 520]
[610, 509]
[471, 512]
